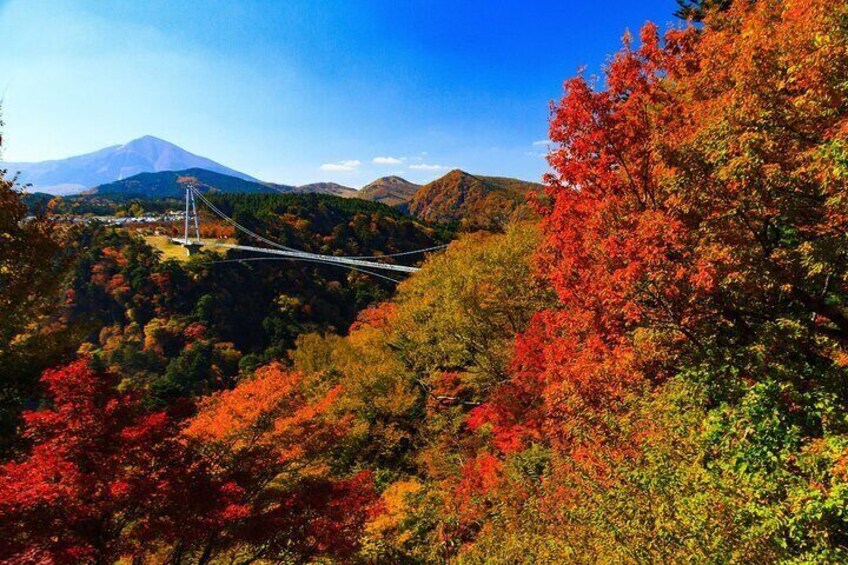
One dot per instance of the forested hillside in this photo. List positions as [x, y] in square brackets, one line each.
[650, 368]
[178, 329]
[171, 184]
[330, 224]
[471, 201]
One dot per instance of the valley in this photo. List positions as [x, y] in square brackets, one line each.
[403, 353]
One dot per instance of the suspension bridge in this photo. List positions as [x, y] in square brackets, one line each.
[277, 250]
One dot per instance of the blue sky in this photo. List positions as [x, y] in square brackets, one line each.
[305, 90]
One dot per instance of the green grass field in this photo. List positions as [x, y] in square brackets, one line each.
[173, 251]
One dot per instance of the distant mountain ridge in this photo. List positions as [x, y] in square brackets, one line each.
[171, 184]
[149, 167]
[326, 188]
[470, 201]
[146, 154]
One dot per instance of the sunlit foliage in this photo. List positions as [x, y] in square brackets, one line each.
[695, 236]
[31, 264]
[651, 371]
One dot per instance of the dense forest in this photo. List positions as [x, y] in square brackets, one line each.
[651, 368]
[178, 329]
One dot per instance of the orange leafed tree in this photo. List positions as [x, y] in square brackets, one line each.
[105, 478]
[271, 439]
[699, 194]
[695, 220]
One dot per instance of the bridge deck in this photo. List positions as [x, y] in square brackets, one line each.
[312, 257]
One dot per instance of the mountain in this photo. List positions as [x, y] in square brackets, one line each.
[171, 184]
[392, 191]
[146, 154]
[326, 188]
[471, 200]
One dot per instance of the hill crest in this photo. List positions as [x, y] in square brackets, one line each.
[391, 190]
[473, 201]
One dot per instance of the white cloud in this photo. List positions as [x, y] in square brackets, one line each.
[388, 160]
[426, 167]
[341, 166]
[541, 142]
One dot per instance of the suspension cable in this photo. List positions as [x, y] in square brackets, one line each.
[359, 269]
[239, 226]
[426, 249]
[255, 235]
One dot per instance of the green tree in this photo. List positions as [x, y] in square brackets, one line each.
[31, 265]
[697, 10]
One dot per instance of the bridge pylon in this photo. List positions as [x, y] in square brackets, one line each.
[354, 263]
[192, 247]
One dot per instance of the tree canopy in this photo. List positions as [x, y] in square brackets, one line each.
[651, 369]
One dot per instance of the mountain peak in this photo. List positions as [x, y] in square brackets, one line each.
[391, 190]
[391, 179]
[147, 140]
[146, 154]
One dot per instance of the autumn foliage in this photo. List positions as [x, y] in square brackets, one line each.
[107, 478]
[103, 478]
[695, 232]
[651, 371]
